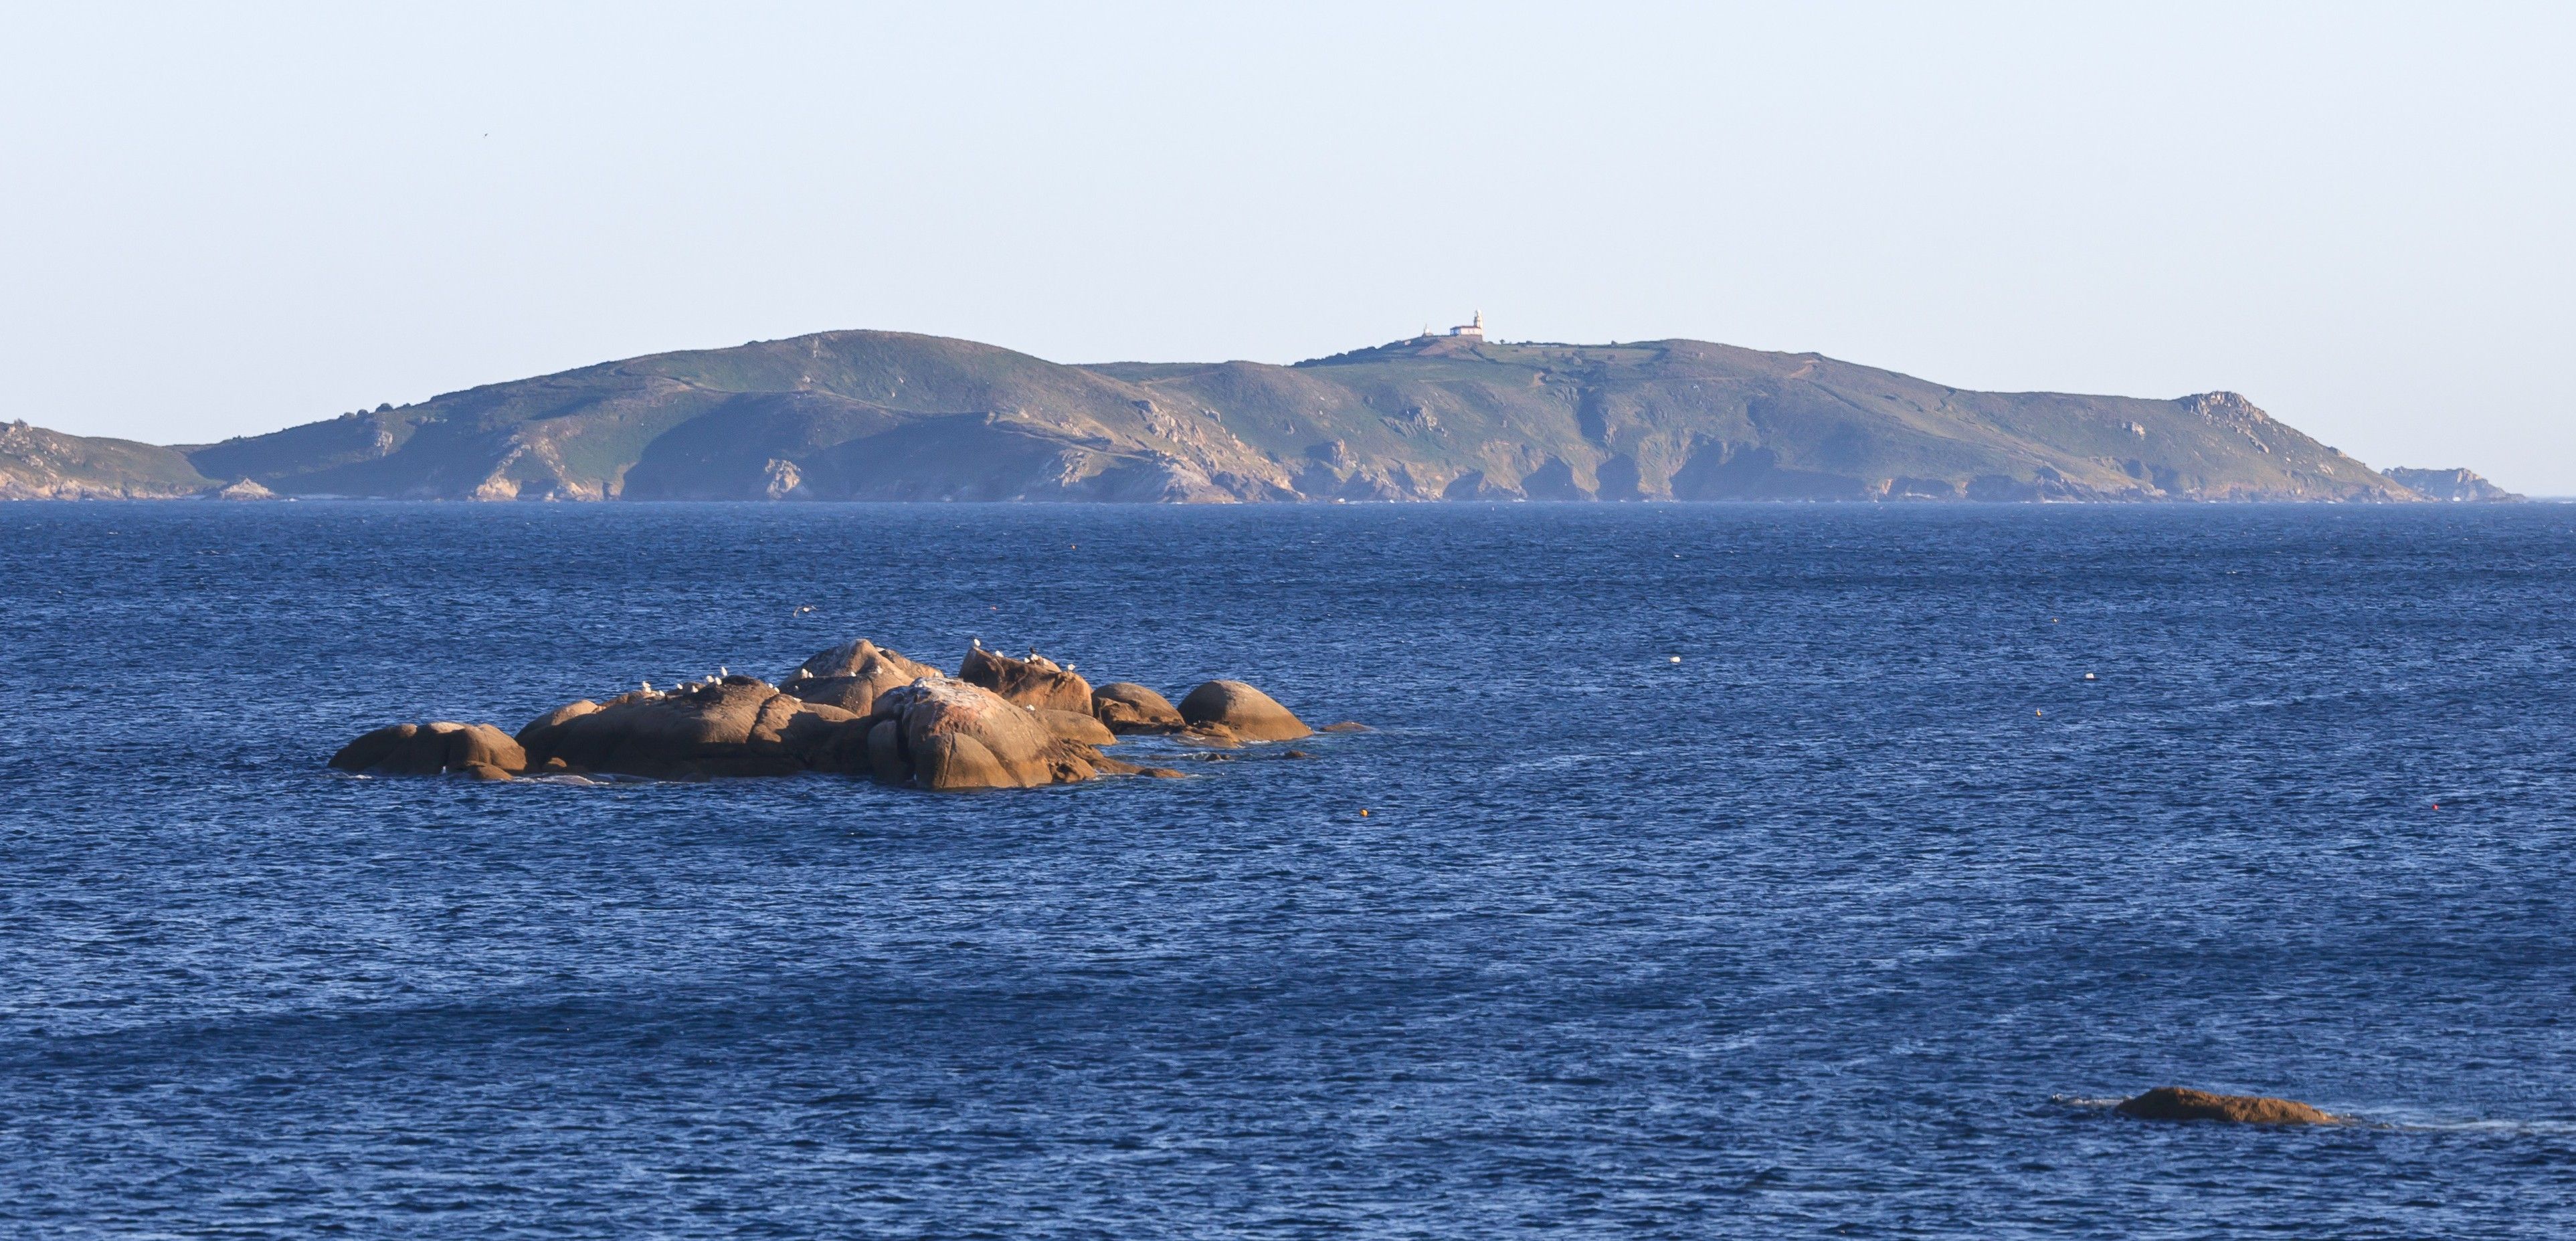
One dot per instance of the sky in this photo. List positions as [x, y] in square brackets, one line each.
[222, 220]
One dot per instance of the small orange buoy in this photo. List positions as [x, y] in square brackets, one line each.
[1364, 814]
[2039, 713]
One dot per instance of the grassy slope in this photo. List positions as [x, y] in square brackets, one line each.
[37, 464]
[894, 415]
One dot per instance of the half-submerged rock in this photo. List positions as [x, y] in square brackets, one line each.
[2183, 1103]
[852, 675]
[1033, 682]
[441, 748]
[1239, 710]
[1126, 707]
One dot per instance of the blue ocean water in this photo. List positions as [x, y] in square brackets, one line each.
[1850, 923]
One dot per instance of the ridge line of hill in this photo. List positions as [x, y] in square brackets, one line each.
[875, 415]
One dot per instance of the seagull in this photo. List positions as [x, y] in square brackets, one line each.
[648, 687]
[722, 671]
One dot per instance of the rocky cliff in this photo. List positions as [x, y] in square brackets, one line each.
[2449, 485]
[891, 416]
[37, 464]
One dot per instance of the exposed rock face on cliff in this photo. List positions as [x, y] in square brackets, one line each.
[893, 416]
[2451, 485]
[2183, 1103]
[37, 464]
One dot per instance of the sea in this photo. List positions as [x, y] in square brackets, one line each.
[1707, 871]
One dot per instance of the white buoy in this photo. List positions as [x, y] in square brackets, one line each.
[1677, 659]
[2088, 676]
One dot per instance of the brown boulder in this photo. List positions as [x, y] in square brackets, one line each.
[1244, 711]
[1033, 682]
[1216, 735]
[940, 733]
[2181, 1103]
[737, 727]
[1075, 726]
[539, 736]
[852, 675]
[432, 749]
[1127, 707]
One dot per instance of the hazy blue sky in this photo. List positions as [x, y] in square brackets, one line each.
[227, 221]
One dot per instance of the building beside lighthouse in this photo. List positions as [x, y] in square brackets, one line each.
[1473, 329]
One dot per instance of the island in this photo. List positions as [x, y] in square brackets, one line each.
[856, 709]
[1449, 415]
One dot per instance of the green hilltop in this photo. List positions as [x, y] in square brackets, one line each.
[870, 415]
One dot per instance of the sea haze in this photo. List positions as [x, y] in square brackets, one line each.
[1850, 922]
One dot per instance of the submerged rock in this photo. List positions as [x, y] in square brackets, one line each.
[2183, 1103]
[1242, 711]
[434, 749]
[1033, 682]
[1126, 707]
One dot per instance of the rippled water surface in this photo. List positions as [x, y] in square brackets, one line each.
[1846, 924]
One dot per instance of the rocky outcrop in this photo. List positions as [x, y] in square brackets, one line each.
[851, 676]
[2452, 486]
[1242, 711]
[1032, 682]
[541, 735]
[1126, 707]
[2183, 1103]
[942, 733]
[37, 464]
[921, 729]
[441, 748]
[739, 726]
[1075, 726]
